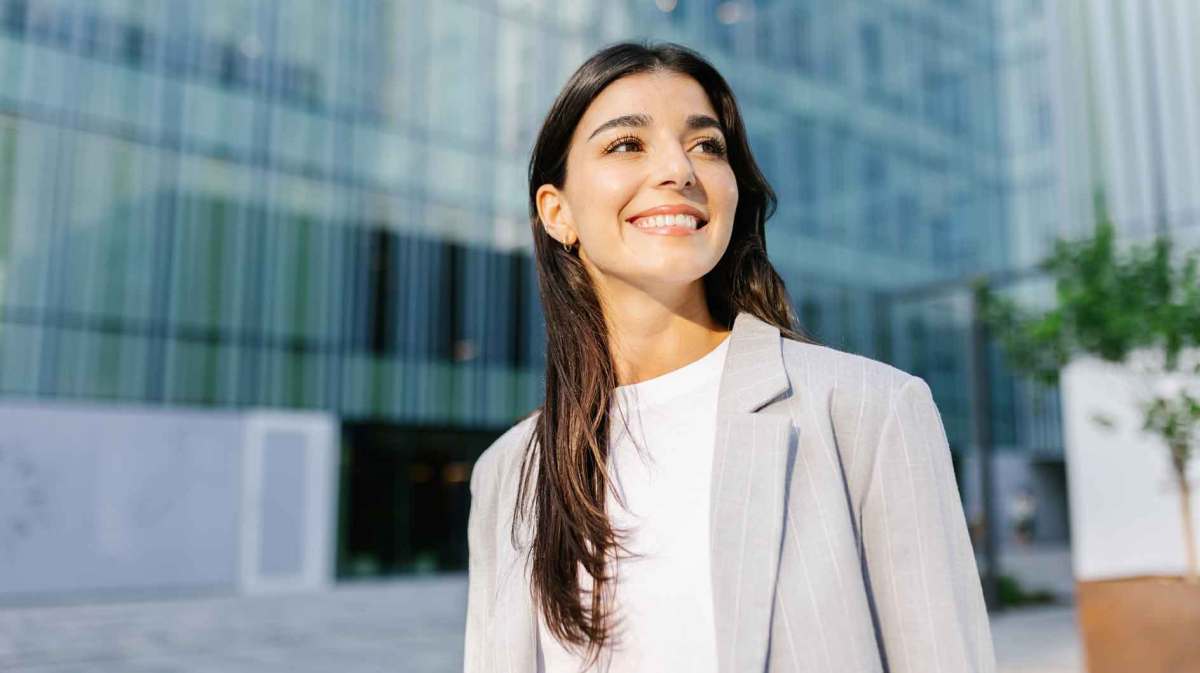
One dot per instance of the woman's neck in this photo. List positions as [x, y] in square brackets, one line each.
[650, 337]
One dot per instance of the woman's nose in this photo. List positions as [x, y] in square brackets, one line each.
[675, 167]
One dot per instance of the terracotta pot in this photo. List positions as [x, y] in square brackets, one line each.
[1140, 625]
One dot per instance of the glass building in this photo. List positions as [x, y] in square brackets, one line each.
[258, 203]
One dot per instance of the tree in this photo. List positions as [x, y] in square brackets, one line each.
[1117, 306]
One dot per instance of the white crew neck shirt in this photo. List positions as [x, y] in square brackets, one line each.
[663, 599]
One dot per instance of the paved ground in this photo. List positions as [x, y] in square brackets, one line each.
[1043, 639]
[394, 627]
[1037, 640]
[414, 625]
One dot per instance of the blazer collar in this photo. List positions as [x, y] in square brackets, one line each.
[750, 463]
[754, 372]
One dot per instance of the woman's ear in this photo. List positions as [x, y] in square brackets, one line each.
[555, 214]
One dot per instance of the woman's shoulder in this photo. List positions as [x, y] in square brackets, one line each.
[502, 454]
[854, 394]
[850, 400]
[843, 375]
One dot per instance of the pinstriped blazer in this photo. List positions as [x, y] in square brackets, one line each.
[838, 539]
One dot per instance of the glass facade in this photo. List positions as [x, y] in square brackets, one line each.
[314, 205]
[219, 204]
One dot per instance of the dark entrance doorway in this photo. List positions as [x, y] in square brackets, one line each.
[404, 498]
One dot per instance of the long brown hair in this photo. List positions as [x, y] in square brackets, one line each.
[571, 525]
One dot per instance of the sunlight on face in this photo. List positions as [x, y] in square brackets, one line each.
[623, 170]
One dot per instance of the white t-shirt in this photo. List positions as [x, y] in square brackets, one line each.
[663, 599]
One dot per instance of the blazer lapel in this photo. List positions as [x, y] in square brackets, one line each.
[748, 478]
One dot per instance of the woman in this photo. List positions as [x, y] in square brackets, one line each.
[704, 488]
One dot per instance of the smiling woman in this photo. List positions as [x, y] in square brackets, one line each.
[766, 503]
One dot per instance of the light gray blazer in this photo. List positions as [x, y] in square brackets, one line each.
[839, 543]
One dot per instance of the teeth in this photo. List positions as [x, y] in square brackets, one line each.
[656, 221]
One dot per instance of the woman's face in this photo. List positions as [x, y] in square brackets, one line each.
[668, 151]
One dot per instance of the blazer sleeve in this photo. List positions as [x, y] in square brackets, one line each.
[918, 554]
[481, 566]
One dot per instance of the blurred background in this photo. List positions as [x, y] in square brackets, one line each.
[266, 289]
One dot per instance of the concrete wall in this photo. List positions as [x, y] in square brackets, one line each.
[107, 498]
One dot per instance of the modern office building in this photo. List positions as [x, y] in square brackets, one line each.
[233, 205]
[1130, 110]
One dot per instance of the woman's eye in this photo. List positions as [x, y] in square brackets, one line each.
[715, 146]
[621, 143]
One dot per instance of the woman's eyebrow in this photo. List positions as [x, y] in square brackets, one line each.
[639, 120]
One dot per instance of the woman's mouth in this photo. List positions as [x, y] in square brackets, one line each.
[669, 225]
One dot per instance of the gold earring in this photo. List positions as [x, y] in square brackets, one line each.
[566, 246]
